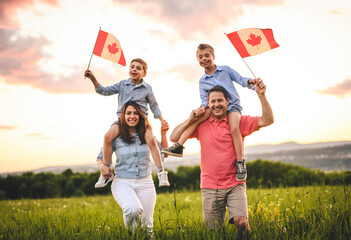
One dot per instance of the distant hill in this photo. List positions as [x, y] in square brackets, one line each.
[335, 158]
[327, 156]
[290, 146]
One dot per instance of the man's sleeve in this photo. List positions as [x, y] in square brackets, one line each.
[248, 125]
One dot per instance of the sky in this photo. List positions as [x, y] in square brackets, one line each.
[51, 115]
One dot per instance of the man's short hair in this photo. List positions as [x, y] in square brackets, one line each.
[218, 88]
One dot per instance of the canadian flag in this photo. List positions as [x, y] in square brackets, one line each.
[107, 46]
[252, 41]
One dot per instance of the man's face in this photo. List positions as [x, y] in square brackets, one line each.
[218, 105]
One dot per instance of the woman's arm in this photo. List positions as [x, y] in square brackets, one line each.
[155, 151]
[164, 129]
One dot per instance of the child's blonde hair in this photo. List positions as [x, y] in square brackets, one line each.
[139, 60]
[203, 46]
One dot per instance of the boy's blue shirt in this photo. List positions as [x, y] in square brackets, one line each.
[128, 91]
[223, 76]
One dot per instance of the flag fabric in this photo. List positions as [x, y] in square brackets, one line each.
[252, 41]
[107, 46]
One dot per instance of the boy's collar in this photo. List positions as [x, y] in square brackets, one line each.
[142, 82]
[218, 68]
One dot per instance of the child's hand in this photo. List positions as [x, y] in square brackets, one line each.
[164, 127]
[253, 81]
[198, 112]
[89, 74]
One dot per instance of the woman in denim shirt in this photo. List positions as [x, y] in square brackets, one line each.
[133, 187]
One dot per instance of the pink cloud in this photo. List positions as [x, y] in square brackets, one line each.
[7, 127]
[8, 10]
[19, 65]
[193, 17]
[340, 89]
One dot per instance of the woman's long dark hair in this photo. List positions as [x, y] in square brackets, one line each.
[140, 127]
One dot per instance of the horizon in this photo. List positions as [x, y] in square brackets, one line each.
[184, 158]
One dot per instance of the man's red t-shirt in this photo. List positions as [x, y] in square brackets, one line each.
[217, 151]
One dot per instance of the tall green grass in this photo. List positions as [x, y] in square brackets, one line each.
[281, 213]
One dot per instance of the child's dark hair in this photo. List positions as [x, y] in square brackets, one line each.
[140, 127]
[203, 46]
[139, 60]
[218, 88]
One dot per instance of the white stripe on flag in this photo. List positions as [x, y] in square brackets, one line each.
[257, 39]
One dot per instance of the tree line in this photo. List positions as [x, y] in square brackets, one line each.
[261, 174]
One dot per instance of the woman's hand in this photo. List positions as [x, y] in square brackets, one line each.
[106, 171]
[164, 127]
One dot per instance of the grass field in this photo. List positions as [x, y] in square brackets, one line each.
[283, 213]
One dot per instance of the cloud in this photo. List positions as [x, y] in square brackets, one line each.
[33, 134]
[341, 89]
[8, 10]
[4, 127]
[20, 64]
[188, 72]
[39, 136]
[193, 17]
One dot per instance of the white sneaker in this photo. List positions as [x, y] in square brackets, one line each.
[163, 179]
[102, 182]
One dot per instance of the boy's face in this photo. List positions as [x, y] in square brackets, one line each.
[205, 58]
[136, 71]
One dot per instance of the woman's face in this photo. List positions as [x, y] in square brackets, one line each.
[131, 116]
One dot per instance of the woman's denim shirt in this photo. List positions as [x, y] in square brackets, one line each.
[133, 160]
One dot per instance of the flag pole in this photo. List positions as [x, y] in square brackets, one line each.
[93, 50]
[248, 67]
[244, 60]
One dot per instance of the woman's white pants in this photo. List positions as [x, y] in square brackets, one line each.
[137, 198]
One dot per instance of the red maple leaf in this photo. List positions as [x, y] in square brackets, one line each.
[253, 40]
[113, 49]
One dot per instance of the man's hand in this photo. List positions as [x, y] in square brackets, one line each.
[260, 87]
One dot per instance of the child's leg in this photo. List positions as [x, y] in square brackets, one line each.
[234, 122]
[191, 129]
[108, 139]
[177, 148]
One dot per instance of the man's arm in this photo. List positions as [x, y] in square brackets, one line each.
[267, 117]
[178, 130]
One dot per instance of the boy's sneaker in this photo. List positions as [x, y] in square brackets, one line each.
[102, 182]
[163, 179]
[175, 150]
[240, 170]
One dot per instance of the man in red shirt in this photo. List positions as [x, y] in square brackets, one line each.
[219, 187]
